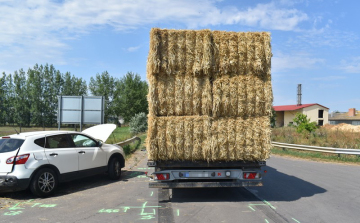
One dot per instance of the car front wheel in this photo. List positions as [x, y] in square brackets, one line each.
[115, 168]
[44, 183]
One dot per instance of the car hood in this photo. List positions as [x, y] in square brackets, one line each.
[101, 132]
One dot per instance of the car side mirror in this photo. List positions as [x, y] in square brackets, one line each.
[100, 143]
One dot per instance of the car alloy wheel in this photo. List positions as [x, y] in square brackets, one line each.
[46, 182]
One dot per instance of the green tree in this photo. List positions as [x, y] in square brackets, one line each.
[73, 86]
[104, 85]
[302, 122]
[138, 123]
[36, 94]
[130, 96]
[3, 99]
[9, 99]
[21, 104]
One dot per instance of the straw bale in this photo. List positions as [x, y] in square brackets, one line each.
[233, 53]
[154, 58]
[250, 40]
[242, 96]
[242, 52]
[267, 52]
[225, 108]
[181, 51]
[259, 55]
[172, 65]
[170, 95]
[152, 96]
[265, 137]
[221, 97]
[214, 147]
[164, 51]
[224, 54]
[268, 94]
[197, 95]
[188, 143]
[188, 94]
[260, 97]
[217, 96]
[151, 140]
[231, 138]
[249, 139]
[198, 138]
[223, 139]
[207, 59]
[219, 139]
[180, 140]
[171, 138]
[162, 95]
[240, 138]
[216, 52]
[190, 51]
[233, 91]
[199, 47]
[206, 97]
[206, 142]
[179, 94]
[161, 139]
[250, 95]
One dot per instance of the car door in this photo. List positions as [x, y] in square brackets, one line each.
[90, 155]
[61, 154]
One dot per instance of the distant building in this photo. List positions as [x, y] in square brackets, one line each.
[351, 117]
[315, 112]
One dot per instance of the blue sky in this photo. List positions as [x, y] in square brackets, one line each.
[315, 43]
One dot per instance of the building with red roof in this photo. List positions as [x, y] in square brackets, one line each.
[315, 112]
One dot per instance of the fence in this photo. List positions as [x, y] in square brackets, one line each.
[317, 148]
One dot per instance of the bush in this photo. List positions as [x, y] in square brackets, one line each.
[303, 123]
[138, 123]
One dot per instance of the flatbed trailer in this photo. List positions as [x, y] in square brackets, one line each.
[201, 174]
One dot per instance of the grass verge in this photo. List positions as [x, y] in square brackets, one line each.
[317, 156]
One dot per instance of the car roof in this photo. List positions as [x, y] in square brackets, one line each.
[24, 135]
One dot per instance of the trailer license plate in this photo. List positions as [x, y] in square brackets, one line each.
[198, 174]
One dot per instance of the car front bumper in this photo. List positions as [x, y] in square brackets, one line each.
[10, 183]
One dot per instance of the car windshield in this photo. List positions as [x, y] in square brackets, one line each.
[9, 145]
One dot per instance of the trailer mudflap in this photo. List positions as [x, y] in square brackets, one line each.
[169, 185]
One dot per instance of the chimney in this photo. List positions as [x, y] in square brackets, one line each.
[299, 95]
[352, 112]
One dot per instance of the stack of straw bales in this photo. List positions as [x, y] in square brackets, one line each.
[210, 95]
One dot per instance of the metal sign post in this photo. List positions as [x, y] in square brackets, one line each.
[81, 110]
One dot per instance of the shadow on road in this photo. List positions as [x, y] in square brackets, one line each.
[211, 195]
[75, 186]
[277, 187]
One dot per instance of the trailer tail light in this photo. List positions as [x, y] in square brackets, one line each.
[251, 175]
[21, 159]
[162, 176]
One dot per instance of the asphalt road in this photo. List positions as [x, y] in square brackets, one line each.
[293, 191]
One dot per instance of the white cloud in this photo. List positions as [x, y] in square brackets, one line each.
[328, 78]
[37, 30]
[351, 66]
[133, 48]
[284, 62]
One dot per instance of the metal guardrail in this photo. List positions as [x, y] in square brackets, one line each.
[317, 148]
[128, 141]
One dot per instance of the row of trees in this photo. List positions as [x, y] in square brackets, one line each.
[31, 98]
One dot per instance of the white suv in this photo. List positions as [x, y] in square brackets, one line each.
[40, 160]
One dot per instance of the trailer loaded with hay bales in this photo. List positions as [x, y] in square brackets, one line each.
[210, 101]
